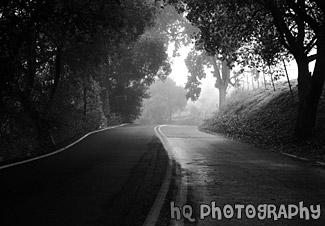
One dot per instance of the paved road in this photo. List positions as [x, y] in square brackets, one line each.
[230, 172]
[109, 178]
[113, 178]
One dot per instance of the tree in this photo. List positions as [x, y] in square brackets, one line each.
[216, 37]
[57, 60]
[266, 56]
[175, 29]
[301, 27]
[196, 62]
[166, 98]
[133, 71]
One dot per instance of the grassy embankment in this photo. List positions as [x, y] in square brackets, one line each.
[267, 118]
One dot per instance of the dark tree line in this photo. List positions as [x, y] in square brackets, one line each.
[67, 67]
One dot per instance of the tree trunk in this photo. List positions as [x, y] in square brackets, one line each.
[264, 79]
[258, 79]
[57, 71]
[31, 64]
[285, 68]
[105, 102]
[309, 91]
[271, 75]
[304, 124]
[85, 99]
[105, 96]
[222, 79]
[222, 95]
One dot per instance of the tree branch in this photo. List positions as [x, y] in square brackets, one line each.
[311, 45]
[216, 71]
[311, 58]
[303, 15]
[286, 36]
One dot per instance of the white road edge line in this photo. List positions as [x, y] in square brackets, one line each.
[154, 212]
[294, 156]
[283, 153]
[303, 159]
[181, 197]
[58, 151]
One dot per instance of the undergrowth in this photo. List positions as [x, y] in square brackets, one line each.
[267, 118]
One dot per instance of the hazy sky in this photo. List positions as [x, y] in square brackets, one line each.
[208, 99]
[179, 70]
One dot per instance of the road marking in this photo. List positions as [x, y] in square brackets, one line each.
[180, 180]
[181, 197]
[294, 156]
[303, 159]
[283, 153]
[161, 196]
[58, 151]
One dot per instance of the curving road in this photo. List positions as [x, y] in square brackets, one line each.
[123, 176]
[109, 178]
[223, 171]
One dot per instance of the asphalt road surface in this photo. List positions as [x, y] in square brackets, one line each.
[109, 178]
[114, 178]
[218, 172]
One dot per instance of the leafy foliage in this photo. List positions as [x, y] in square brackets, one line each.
[134, 71]
[221, 33]
[274, 27]
[195, 63]
[174, 28]
[65, 65]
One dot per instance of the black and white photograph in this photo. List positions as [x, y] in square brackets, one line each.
[162, 112]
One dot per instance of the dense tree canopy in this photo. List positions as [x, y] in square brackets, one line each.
[221, 34]
[133, 72]
[67, 67]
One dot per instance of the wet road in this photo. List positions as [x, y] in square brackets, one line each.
[215, 169]
[114, 178]
[109, 178]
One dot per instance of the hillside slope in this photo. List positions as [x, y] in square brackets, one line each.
[266, 118]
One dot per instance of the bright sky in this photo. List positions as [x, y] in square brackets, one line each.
[179, 70]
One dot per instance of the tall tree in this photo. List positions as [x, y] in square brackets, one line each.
[196, 62]
[215, 36]
[56, 61]
[134, 71]
[300, 27]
